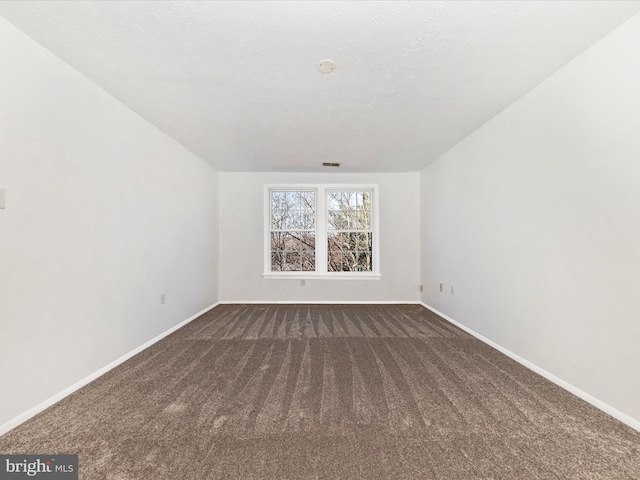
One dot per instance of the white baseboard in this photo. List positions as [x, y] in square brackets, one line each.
[617, 414]
[315, 302]
[14, 422]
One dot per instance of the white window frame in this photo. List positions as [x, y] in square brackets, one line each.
[322, 232]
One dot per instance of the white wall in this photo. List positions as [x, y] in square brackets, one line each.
[535, 220]
[242, 241]
[103, 214]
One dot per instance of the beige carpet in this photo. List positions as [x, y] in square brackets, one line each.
[328, 392]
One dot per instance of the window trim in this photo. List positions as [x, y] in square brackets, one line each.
[321, 232]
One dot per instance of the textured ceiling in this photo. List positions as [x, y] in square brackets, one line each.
[237, 83]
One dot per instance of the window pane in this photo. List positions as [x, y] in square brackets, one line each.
[278, 208]
[338, 241]
[308, 262]
[293, 241]
[364, 263]
[307, 220]
[333, 200]
[293, 200]
[278, 197]
[351, 219]
[364, 241]
[277, 261]
[364, 200]
[349, 200]
[352, 239]
[308, 240]
[332, 243]
[291, 219]
[308, 201]
[283, 214]
[334, 261]
[292, 261]
[349, 262]
[364, 211]
[277, 241]
[338, 220]
[363, 220]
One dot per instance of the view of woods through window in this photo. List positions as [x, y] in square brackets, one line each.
[294, 231]
[349, 231]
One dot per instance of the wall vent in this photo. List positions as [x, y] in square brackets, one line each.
[328, 164]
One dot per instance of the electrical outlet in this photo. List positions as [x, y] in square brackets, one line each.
[451, 289]
[162, 298]
[303, 283]
[1, 198]
[421, 288]
[441, 287]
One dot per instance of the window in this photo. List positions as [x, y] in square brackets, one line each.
[349, 233]
[293, 231]
[321, 231]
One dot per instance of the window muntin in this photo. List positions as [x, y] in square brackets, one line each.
[292, 232]
[321, 231]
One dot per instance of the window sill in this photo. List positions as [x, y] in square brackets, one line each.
[309, 276]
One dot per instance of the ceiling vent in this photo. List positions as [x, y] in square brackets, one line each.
[327, 164]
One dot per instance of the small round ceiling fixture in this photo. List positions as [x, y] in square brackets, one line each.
[326, 66]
